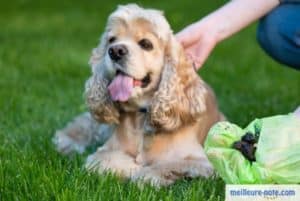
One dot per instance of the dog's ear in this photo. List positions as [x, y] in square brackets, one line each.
[180, 98]
[97, 58]
[98, 100]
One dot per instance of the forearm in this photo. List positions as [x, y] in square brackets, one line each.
[236, 15]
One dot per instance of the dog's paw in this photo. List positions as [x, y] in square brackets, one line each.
[154, 177]
[112, 161]
[66, 145]
[203, 169]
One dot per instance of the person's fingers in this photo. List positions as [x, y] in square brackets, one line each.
[184, 39]
[187, 36]
[199, 52]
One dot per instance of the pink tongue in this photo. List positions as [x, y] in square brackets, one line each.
[121, 87]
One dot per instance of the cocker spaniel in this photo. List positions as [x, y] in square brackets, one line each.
[146, 98]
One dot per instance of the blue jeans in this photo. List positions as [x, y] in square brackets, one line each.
[278, 33]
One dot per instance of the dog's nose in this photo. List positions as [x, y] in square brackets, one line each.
[117, 52]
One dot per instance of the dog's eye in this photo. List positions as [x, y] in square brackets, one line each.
[112, 39]
[146, 44]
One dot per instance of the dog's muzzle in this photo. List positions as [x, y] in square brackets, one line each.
[117, 52]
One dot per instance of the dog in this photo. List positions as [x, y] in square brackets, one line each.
[146, 102]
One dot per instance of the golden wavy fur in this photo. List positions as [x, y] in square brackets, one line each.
[164, 143]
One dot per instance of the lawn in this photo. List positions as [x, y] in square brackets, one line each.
[44, 49]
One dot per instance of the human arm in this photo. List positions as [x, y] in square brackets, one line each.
[199, 38]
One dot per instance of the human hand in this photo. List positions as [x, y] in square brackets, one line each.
[197, 42]
[199, 39]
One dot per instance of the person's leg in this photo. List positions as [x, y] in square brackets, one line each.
[278, 34]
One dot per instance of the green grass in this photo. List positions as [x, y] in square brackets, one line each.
[44, 49]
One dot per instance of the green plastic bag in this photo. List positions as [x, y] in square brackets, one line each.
[277, 152]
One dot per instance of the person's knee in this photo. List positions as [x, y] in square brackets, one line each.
[278, 34]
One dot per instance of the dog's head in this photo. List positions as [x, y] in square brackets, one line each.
[139, 64]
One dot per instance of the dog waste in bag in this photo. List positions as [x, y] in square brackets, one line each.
[267, 151]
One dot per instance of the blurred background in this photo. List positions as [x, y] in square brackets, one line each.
[44, 52]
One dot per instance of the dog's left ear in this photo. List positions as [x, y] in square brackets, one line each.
[97, 98]
[180, 98]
